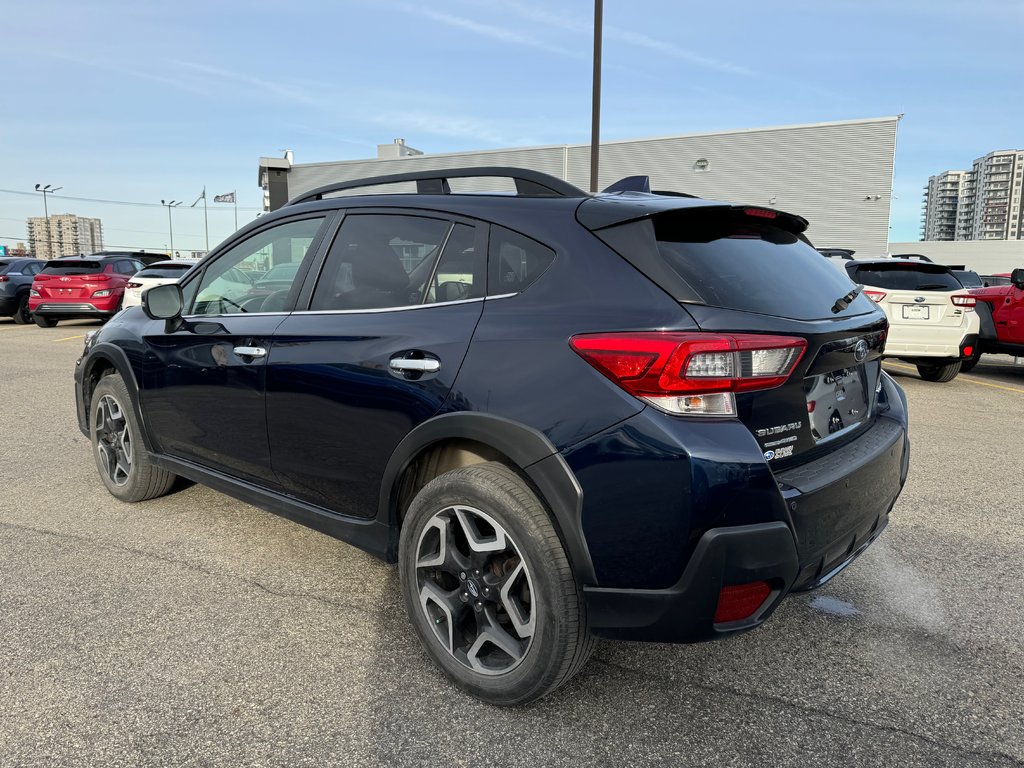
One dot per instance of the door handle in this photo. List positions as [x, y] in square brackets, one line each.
[424, 365]
[250, 351]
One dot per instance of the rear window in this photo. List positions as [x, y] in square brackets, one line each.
[73, 267]
[905, 277]
[726, 259]
[5, 264]
[168, 270]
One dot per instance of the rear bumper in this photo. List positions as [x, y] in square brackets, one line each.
[837, 507]
[930, 341]
[69, 309]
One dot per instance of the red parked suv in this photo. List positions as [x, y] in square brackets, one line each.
[92, 286]
[1001, 311]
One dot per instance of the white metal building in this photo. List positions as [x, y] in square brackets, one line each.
[837, 175]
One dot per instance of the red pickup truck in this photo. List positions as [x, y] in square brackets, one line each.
[1001, 311]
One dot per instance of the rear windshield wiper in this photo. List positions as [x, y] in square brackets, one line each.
[844, 301]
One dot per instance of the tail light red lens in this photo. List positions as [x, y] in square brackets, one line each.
[741, 601]
[760, 213]
[691, 372]
[968, 351]
[963, 300]
[875, 296]
[41, 278]
[4, 278]
[133, 285]
[95, 278]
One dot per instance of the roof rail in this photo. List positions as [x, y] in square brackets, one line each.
[436, 182]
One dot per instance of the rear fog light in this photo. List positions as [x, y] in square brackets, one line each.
[741, 601]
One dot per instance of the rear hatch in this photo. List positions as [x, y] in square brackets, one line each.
[748, 273]
[916, 294]
[72, 280]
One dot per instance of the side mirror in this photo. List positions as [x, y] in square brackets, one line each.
[1017, 278]
[163, 302]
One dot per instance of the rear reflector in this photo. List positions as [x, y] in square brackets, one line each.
[875, 296]
[968, 351]
[691, 373]
[741, 601]
[963, 300]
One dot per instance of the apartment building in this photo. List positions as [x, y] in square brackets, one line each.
[986, 204]
[64, 234]
[942, 195]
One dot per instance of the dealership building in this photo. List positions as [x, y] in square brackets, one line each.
[837, 175]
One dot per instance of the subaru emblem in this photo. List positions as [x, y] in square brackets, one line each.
[860, 351]
[919, 299]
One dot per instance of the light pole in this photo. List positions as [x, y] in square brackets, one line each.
[170, 225]
[595, 118]
[48, 190]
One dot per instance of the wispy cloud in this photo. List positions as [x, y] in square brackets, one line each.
[447, 124]
[120, 69]
[493, 32]
[580, 26]
[285, 91]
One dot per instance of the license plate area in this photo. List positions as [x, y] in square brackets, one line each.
[837, 402]
[916, 312]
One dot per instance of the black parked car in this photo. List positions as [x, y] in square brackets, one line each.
[563, 415]
[16, 276]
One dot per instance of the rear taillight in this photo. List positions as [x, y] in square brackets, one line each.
[4, 278]
[741, 601]
[41, 278]
[95, 278]
[133, 285]
[875, 296]
[963, 300]
[691, 373]
[761, 213]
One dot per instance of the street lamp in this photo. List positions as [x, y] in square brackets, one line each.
[595, 117]
[48, 190]
[170, 226]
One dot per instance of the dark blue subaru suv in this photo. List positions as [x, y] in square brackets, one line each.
[629, 415]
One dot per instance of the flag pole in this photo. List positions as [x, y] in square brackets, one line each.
[235, 196]
[206, 222]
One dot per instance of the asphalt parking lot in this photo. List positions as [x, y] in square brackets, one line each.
[195, 630]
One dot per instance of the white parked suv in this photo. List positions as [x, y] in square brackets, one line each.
[158, 273]
[932, 322]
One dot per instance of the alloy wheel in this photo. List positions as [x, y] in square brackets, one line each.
[114, 440]
[475, 590]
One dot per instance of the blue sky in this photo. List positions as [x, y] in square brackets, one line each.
[141, 102]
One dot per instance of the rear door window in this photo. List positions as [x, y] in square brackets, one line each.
[380, 261]
[905, 277]
[167, 271]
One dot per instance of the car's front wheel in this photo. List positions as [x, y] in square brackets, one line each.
[121, 458]
[488, 587]
[941, 373]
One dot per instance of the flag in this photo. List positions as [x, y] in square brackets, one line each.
[228, 198]
[201, 197]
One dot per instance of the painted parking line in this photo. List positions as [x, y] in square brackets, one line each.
[963, 377]
[69, 338]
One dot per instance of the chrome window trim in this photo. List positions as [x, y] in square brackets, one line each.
[385, 309]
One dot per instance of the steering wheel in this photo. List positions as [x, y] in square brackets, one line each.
[275, 302]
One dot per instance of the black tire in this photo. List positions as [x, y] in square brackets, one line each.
[560, 643]
[941, 373]
[45, 322]
[968, 363]
[21, 315]
[121, 458]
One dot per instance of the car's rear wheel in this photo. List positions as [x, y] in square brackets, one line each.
[121, 457]
[44, 321]
[488, 587]
[940, 373]
[22, 316]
